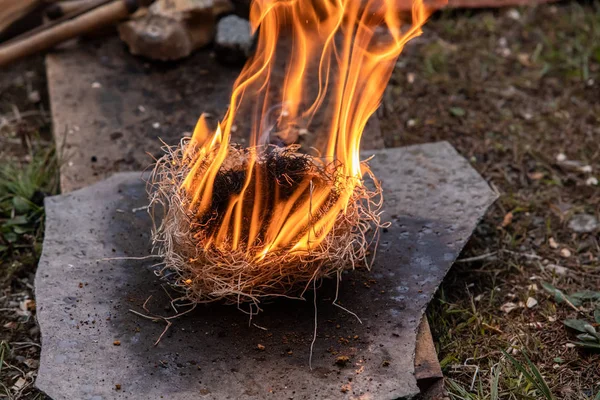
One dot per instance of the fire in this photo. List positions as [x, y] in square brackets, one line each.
[354, 46]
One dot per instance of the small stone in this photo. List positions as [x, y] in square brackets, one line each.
[141, 109]
[342, 360]
[552, 243]
[233, 41]
[34, 96]
[565, 253]
[591, 181]
[560, 157]
[583, 223]
[513, 14]
[557, 269]
[261, 347]
[410, 77]
[96, 85]
[586, 169]
[531, 302]
[156, 125]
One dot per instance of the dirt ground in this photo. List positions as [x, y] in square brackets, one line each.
[517, 92]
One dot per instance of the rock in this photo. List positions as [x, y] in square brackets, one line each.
[531, 302]
[438, 208]
[171, 29]
[565, 253]
[234, 41]
[557, 269]
[583, 223]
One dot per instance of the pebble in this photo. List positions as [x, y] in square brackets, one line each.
[233, 41]
[566, 253]
[34, 96]
[557, 269]
[531, 302]
[583, 223]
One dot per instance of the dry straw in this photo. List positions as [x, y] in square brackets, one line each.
[211, 274]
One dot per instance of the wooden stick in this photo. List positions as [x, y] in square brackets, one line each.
[95, 19]
[63, 8]
[60, 20]
[13, 10]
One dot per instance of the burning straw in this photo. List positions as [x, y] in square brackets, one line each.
[240, 224]
[208, 269]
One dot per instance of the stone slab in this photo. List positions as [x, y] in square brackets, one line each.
[433, 198]
[110, 110]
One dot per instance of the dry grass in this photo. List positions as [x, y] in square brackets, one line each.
[206, 272]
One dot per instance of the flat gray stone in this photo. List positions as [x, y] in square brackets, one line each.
[434, 200]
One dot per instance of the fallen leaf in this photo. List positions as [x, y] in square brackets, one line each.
[578, 325]
[11, 325]
[457, 111]
[19, 384]
[507, 219]
[560, 297]
[508, 307]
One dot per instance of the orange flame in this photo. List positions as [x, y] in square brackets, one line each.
[354, 46]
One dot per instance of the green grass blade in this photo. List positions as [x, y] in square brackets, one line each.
[536, 379]
[495, 381]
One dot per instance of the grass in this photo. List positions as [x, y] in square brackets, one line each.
[24, 183]
[23, 186]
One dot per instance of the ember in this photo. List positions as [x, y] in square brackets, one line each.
[241, 224]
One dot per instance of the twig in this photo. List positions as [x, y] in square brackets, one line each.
[260, 327]
[156, 318]
[128, 258]
[312, 344]
[477, 258]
